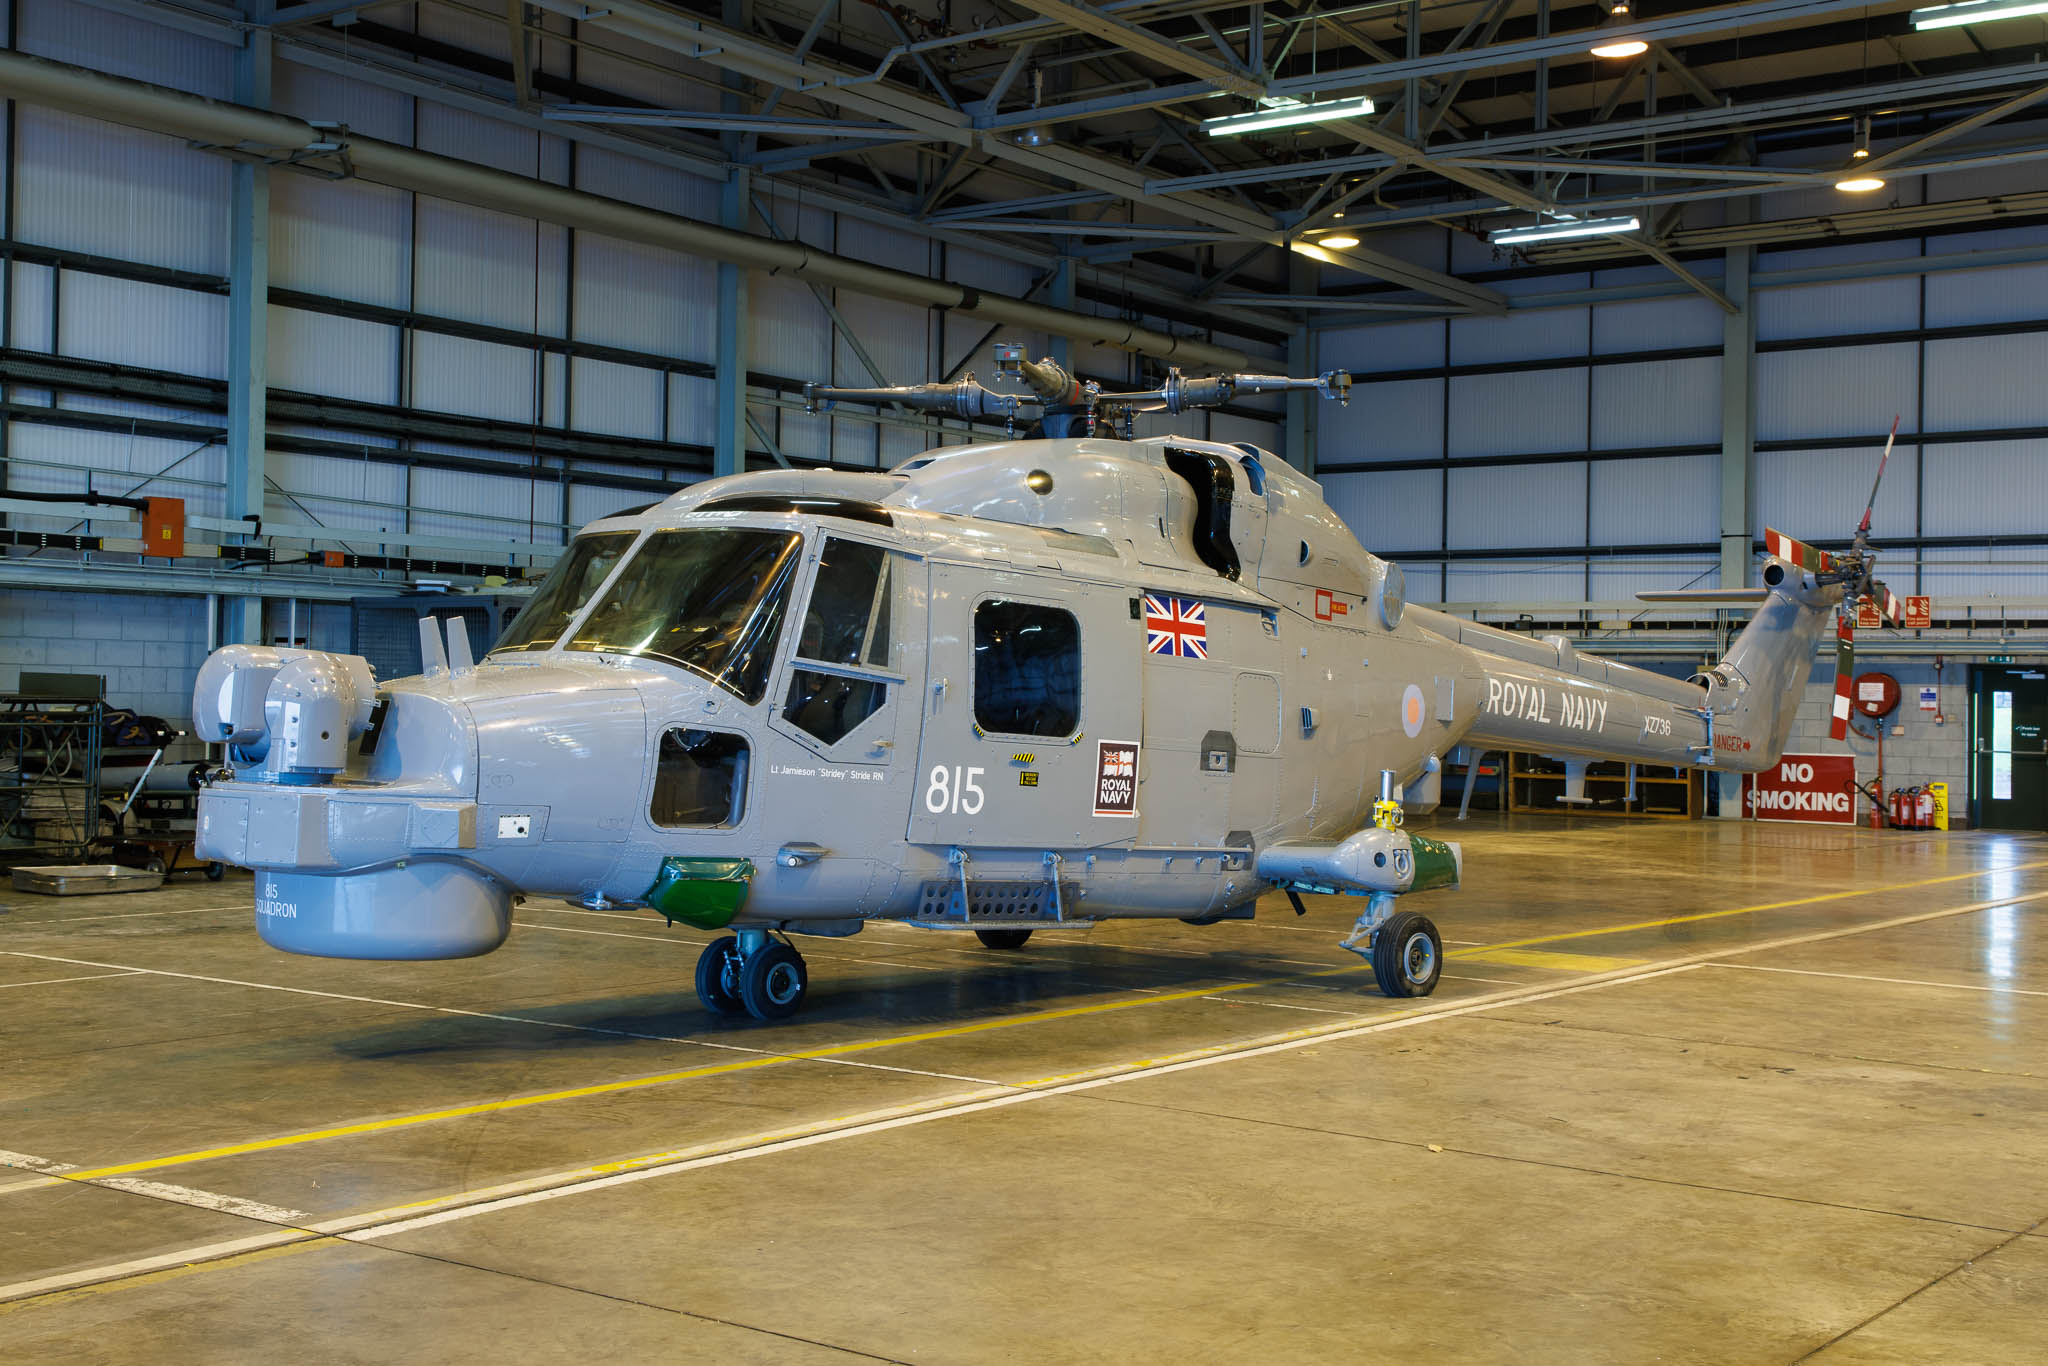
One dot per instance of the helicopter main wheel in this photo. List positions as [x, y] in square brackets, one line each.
[773, 981]
[1002, 939]
[718, 976]
[1407, 955]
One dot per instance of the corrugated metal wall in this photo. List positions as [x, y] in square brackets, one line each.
[1456, 451]
[1579, 429]
[409, 302]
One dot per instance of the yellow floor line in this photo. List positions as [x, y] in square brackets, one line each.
[932, 1035]
[1815, 900]
[333, 1231]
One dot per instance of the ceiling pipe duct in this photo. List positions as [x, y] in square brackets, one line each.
[237, 129]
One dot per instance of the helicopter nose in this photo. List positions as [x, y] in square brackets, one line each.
[465, 790]
[562, 764]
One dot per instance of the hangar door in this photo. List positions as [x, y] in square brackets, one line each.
[2009, 744]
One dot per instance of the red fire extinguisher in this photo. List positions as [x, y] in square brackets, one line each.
[1900, 807]
[1923, 809]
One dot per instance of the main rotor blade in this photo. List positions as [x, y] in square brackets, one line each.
[1725, 597]
[1845, 671]
[1882, 460]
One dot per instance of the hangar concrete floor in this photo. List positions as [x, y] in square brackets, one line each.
[1690, 1092]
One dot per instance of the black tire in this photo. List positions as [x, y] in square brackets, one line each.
[154, 865]
[216, 871]
[1002, 939]
[773, 982]
[718, 976]
[1407, 955]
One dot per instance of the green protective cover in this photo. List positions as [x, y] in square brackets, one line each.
[705, 892]
[1435, 864]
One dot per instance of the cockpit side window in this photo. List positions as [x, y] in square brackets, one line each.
[700, 780]
[845, 625]
[563, 592]
[1027, 669]
[847, 621]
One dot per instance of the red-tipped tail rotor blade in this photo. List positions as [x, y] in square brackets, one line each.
[1797, 551]
[1845, 672]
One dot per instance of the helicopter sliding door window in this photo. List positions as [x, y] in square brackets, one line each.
[1027, 669]
[846, 627]
[568, 586]
[700, 780]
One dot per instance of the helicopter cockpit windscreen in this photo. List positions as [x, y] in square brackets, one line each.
[562, 594]
[710, 599]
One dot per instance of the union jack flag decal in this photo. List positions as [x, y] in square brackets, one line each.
[1176, 626]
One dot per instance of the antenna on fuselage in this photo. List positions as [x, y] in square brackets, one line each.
[433, 659]
[460, 660]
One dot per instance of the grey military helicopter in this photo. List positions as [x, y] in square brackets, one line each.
[1023, 683]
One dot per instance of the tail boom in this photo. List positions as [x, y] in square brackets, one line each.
[1546, 698]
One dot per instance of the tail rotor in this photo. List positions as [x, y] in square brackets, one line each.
[1854, 570]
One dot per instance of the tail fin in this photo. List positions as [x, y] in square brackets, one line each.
[1754, 692]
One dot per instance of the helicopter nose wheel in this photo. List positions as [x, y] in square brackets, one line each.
[718, 976]
[750, 972]
[1407, 955]
[773, 982]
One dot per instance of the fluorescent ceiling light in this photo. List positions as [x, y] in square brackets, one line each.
[1563, 227]
[1286, 116]
[1339, 240]
[1860, 184]
[1976, 12]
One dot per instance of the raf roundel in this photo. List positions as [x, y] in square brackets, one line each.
[1411, 711]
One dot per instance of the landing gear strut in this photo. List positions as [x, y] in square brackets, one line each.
[749, 971]
[1406, 953]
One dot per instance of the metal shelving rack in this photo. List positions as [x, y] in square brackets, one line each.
[1662, 792]
[49, 777]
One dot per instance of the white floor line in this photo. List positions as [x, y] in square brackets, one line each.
[1894, 981]
[1275, 1005]
[162, 1261]
[374, 1225]
[478, 1015]
[132, 915]
[29, 1162]
[386, 1224]
[1297, 1039]
[570, 1184]
[377, 1000]
[32, 1184]
[53, 981]
[199, 1199]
